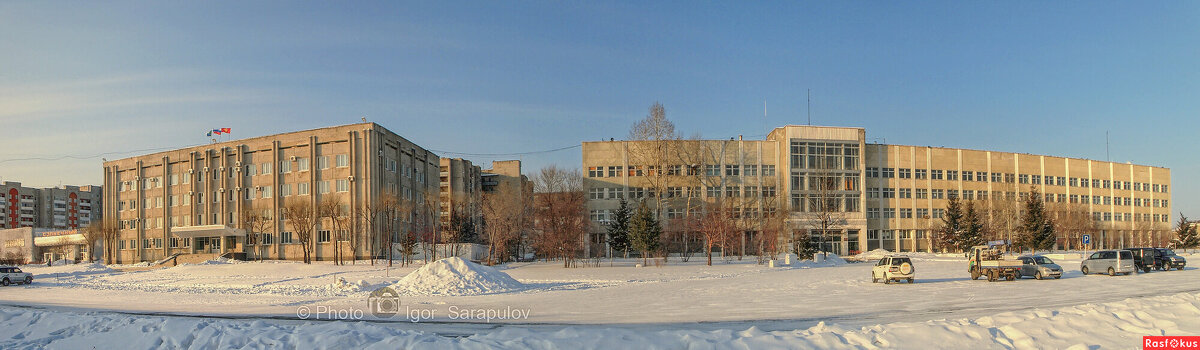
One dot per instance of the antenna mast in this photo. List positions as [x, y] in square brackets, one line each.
[809, 107]
[1107, 157]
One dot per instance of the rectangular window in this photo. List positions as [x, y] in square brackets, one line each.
[889, 193]
[732, 191]
[342, 160]
[285, 167]
[1036, 179]
[968, 175]
[952, 175]
[302, 164]
[302, 188]
[731, 170]
[595, 171]
[747, 170]
[939, 194]
[323, 162]
[768, 191]
[904, 173]
[906, 213]
[285, 238]
[922, 213]
[713, 191]
[285, 190]
[343, 185]
[921, 174]
[936, 174]
[922, 193]
[614, 171]
[323, 236]
[1024, 178]
[323, 187]
[768, 170]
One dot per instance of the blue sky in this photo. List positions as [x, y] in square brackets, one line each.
[83, 78]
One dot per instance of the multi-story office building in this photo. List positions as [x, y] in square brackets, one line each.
[59, 208]
[461, 187]
[192, 200]
[880, 196]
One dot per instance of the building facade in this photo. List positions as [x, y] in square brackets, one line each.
[460, 190]
[62, 207]
[39, 245]
[848, 195]
[196, 200]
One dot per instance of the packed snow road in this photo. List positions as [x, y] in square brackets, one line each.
[733, 295]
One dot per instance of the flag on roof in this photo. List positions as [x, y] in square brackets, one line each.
[225, 130]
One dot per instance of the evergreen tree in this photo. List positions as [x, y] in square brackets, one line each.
[618, 229]
[1185, 234]
[644, 231]
[972, 232]
[952, 228]
[1037, 230]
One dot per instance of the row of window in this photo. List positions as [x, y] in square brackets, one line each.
[921, 193]
[249, 193]
[682, 192]
[905, 213]
[847, 203]
[901, 233]
[606, 215]
[323, 236]
[710, 170]
[341, 161]
[824, 155]
[1026, 179]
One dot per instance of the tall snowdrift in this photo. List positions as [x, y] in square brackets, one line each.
[456, 276]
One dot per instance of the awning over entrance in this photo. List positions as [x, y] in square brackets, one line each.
[206, 231]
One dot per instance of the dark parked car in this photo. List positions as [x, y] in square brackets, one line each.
[1146, 259]
[1171, 260]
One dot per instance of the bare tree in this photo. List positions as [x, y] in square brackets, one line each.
[299, 214]
[257, 222]
[654, 154]
[505, 217]
[95, 232]
[715, 226]
[332, 207]
[561, 218]
[826, 208]
[1072, 221]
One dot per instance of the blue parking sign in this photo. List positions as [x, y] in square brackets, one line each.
[1087, 239]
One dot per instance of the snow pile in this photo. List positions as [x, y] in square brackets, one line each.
[872, 255]
[821, 260]
[61, 262]
[217, 261]
[343, 286]
[456, 276]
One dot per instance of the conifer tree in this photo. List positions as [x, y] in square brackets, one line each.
[644, 232]
[1037, 230]
[618, 229]
[972, 232]
[1185, 234]
[952, 225]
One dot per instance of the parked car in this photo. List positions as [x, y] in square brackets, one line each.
[1146, 259]
[1112, 262]
[894, 268]
[1171, 260]
[1039, 267]
[10, 275]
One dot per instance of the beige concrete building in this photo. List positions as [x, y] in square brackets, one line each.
[190, 201]
[62, 207]
[40, 245]
[885, 196]
[461, 187]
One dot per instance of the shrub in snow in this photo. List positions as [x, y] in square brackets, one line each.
[456, 276]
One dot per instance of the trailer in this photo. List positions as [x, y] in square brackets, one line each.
[988, 261]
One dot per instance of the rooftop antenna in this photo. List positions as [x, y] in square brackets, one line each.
[809, 107]
[765, 116]
[1107, 157]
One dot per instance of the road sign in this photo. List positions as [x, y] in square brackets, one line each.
[1087, 239]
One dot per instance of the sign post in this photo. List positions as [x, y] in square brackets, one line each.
[1087, 242]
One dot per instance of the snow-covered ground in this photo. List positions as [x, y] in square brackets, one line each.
[677, 305]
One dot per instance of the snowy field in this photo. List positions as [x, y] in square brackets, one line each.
[679, 305]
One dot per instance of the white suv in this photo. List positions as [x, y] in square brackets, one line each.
[894, 268]
[10, 275]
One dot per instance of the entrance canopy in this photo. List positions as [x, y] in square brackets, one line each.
[206, 231]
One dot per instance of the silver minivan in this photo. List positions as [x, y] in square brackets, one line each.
[1111, 262]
